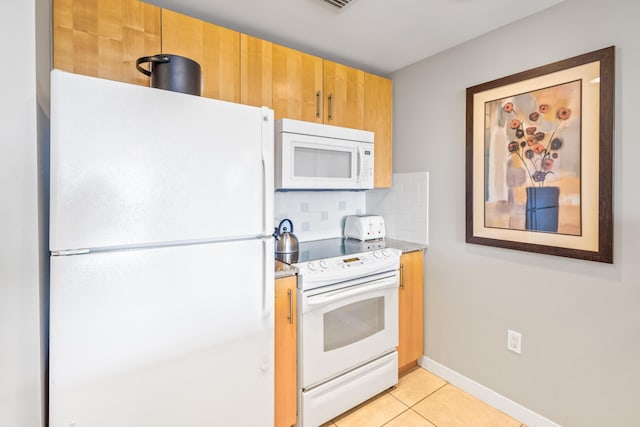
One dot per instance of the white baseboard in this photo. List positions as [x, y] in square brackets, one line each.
[487, 395]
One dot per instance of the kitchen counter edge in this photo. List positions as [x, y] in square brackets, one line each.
[405, 246]
[284, 270]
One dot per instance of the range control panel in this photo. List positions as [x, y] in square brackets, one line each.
[326, 271]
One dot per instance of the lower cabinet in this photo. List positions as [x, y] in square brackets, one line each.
[411, 310]
[285, 352]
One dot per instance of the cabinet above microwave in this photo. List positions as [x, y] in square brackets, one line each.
[312, 156]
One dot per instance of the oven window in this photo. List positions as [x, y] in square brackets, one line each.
[354, 322]
[320, 163]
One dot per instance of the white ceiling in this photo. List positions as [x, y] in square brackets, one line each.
[379, 36]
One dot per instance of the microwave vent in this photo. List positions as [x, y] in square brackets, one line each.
[340, 4]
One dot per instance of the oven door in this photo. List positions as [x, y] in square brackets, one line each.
[346, 327]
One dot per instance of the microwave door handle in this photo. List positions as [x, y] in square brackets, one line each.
[329, 297]
[359, 157]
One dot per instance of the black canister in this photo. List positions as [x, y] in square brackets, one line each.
[173, 72]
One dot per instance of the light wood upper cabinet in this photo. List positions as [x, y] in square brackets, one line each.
[215, 48]
[285, 352]
[256, 71]
[377, 118]
[297, 85]
[343, 95]
[103, 38]
[411, 310]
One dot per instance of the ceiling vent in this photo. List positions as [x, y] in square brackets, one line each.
[340, 4]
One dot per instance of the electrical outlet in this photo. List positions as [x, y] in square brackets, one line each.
[514, 341]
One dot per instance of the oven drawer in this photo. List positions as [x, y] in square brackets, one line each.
[345, 328]
[334, 397]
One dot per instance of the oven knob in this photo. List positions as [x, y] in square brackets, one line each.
[385, 252]
[323, 264]
[377, 254]
[311, 266]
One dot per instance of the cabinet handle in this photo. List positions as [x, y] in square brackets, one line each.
[290, 295]
[318, 104]
[401, 276]
[330, 106]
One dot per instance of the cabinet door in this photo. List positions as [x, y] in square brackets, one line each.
[104, 38]
[285, 352]
[215, 48]
[411, 317]
[256, 71]
[377, 118]
[297, 85]
[343, 95]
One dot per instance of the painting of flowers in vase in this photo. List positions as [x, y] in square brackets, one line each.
[533, 161]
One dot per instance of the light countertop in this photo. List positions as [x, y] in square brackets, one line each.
[404, 246]
[284, 270]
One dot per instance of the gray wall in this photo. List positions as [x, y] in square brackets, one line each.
[580, 320]
[20, 346]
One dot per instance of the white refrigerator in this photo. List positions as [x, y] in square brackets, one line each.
[161, 258]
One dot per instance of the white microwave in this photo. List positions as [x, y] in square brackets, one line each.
[312, 156]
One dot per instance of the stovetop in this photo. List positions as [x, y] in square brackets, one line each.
[321, 263]
[329, 248]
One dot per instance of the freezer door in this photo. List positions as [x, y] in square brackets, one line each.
[166, 337]
[133, 166]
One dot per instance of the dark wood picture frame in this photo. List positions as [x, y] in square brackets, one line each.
[594, 218]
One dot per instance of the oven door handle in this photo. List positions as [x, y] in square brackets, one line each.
[340, 294]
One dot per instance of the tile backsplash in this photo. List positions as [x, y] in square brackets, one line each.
[404, 206]
[320, 214]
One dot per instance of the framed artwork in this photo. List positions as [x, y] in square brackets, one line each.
[539, 155]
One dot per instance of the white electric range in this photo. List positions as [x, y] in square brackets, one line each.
[347, 325]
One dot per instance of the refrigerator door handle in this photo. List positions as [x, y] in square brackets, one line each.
[268, 284]
[267, 170]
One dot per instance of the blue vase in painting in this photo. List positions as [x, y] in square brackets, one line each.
[542, 209]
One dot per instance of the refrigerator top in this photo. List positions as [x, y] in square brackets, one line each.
[133, 166]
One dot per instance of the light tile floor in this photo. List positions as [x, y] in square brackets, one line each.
[422, 399]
